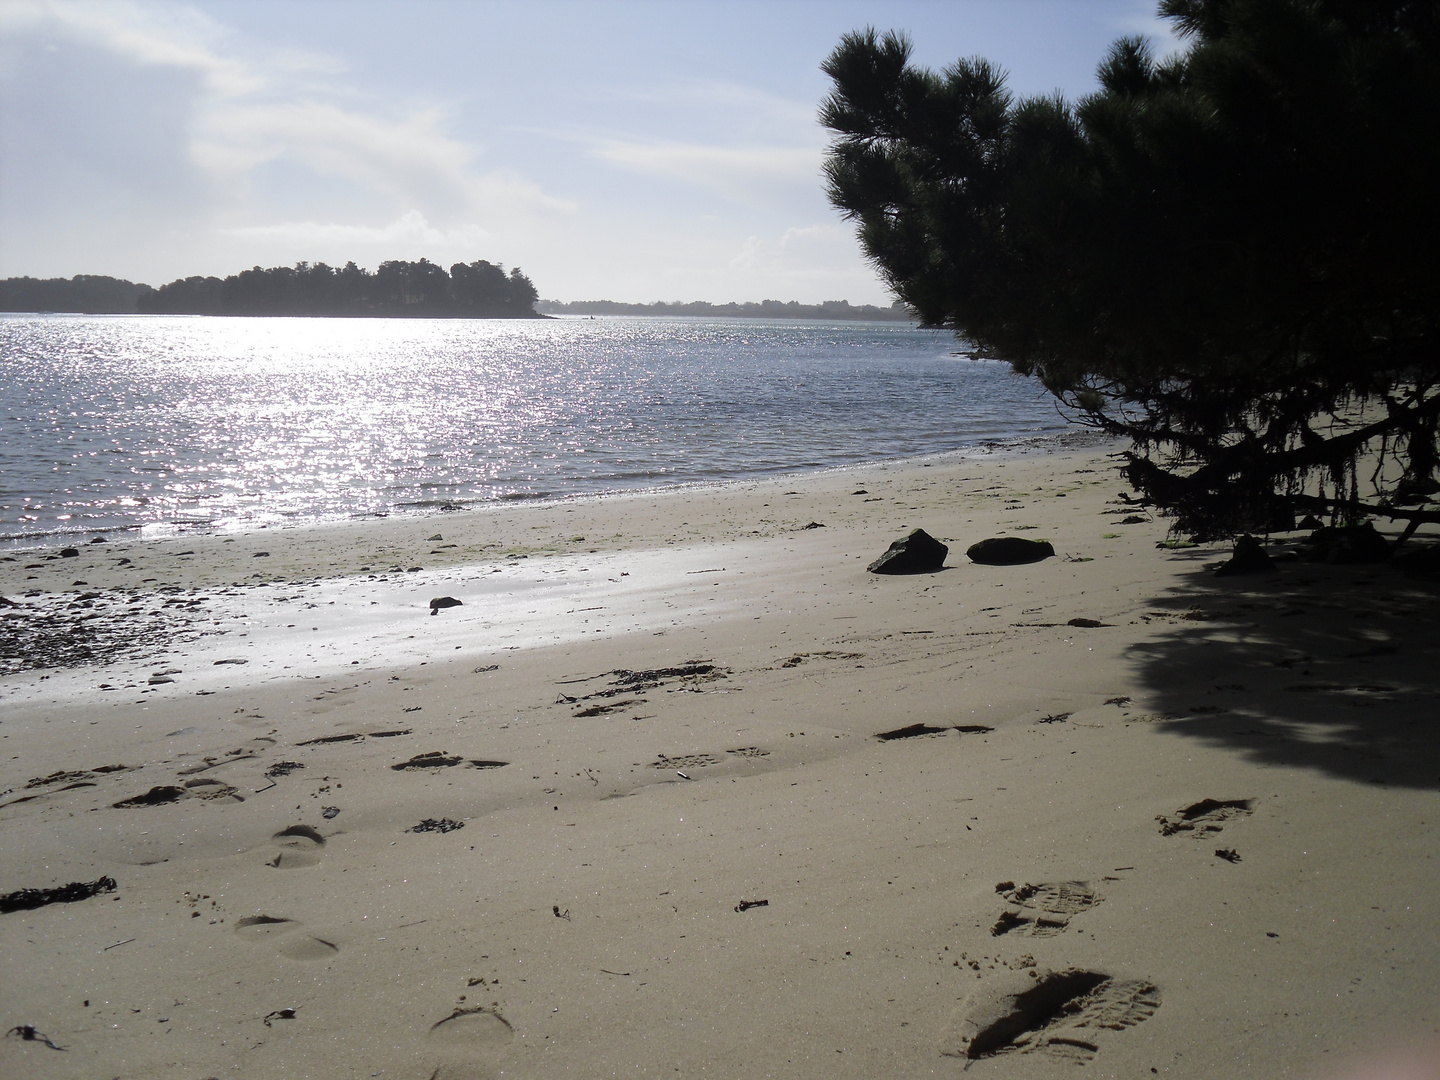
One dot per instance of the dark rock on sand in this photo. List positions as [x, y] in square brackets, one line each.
[918, 553]
[1420, 562]
[1347, 544]
[69, 553]
[443, 602]
[1009, 551]
[1250, 557]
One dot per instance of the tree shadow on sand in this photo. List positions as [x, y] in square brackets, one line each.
[1332, 668]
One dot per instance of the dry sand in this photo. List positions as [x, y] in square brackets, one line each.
[651, 711]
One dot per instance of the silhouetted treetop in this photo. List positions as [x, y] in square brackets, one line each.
[1227, 256]
[397, 288]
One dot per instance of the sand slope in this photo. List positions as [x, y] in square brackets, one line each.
[531, 835]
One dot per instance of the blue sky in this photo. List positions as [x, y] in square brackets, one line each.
[632, 151]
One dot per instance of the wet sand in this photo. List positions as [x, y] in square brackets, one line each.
[679, 788]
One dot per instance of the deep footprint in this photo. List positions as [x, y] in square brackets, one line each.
[288, 937]
[1204, 817]
[1064, 1013]
[1055, 897]
[468, 1044]
[299, 845]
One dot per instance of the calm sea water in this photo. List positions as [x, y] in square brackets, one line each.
[167, 423]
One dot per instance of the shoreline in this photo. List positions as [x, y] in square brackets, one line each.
[58, 538]
[764, 813]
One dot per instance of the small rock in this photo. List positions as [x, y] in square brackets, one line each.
[69, 553]
[443, 602]
[261, 555]
[1009, 551]
[437, 536]
[918, 553]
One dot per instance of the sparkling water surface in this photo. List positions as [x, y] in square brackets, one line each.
[171, 423]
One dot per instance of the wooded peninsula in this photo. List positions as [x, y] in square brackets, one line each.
[477, 290]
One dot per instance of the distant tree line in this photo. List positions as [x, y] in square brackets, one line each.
[765, 309]
[417, 289]
[87, 293]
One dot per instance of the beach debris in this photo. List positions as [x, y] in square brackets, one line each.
[29, 1034]
[1061, 1012]
[682, 775]
[561, 914]
[1228, 854]
[352, 736]
[432, 539]
[1205, 816]
[156, 796]
[279, 1014]
[231, 660]
[29, 899]
[812, 525]
[607, 707]
[434, 759]
[485, 668]
[61, 630]
[1085, 624]
[1249, 557]
[910, 731]
[746, 905]
[257, 555]
[1009, 551]
[440, 602]
[438, 759]
[283, 768]
[329, 812]
[1055, 718]
[917, 553]
[440, 825]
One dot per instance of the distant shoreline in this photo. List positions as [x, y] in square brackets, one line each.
[838, 310]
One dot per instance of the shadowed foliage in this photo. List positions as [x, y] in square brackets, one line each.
[1226, 256]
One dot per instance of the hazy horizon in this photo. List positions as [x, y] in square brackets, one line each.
[631, 152]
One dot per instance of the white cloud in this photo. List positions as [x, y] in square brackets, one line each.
[292, 108]
[732, 171]
[409, 228]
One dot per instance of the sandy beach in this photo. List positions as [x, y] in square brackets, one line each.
[679, 789]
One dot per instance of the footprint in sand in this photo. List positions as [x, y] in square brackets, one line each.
[1042, 910]
[1204, 818]
[299, 845]
[1066, 1014]
[287, 936]
[468, 1044]
[685, 761]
